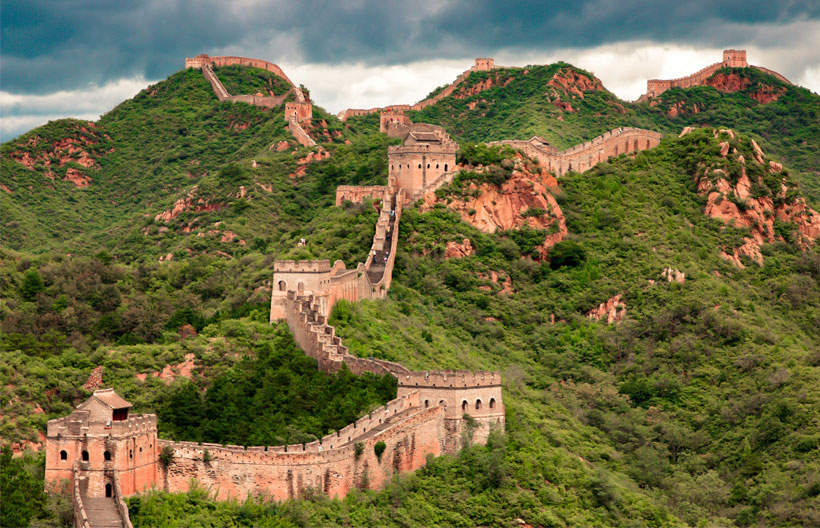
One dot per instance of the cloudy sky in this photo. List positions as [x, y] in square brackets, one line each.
[79, 58]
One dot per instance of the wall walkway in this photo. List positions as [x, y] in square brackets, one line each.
[583, 157]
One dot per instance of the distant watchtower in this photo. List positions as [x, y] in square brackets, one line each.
[735, 58]
[484, 64]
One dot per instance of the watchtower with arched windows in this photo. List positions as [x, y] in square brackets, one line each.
[102, 438]
[477, 394]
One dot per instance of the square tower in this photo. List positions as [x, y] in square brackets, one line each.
[735, 58]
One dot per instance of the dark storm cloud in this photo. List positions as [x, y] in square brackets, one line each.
[53, 44]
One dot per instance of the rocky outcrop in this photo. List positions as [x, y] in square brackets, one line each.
[188, 203]
[760, 198]
[613, 310]
[732, 82]
[94, 379]
[524, 199]
[456, 250]
[84, 145]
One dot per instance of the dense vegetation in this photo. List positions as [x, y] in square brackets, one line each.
[241, 80]
[699, 408]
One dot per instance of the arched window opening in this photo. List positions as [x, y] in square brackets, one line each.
[419, 165]
[426, 403]
[464, 405]
[492, 403]
[445, 167]
[283, 286]
[85, 456]
[63, 455]
[108, 489]
[436, 165]
[477, 405]
[107, 456]
[130, 453]
[428, 165]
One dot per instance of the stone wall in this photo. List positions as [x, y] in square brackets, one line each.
[359, 193]
[481, 64]
[299, 133]
[731, 59]
[330, 465]
[201, 60]
[391, 122]
[583, 157]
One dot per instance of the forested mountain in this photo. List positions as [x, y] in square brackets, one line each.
[656, 319]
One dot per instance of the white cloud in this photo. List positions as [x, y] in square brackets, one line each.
[21, 113]
[623, 67]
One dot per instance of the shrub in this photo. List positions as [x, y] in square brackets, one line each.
[379, 449]
[358, 449]
[166, 456]
[566, 254]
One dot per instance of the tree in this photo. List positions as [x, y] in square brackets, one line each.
[23, 498]
[566, 254]
[32, 284]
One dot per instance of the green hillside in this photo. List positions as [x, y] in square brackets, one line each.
[566, 106]
[698, 406]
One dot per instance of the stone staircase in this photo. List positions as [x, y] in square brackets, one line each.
[103, 513]
[216, 84]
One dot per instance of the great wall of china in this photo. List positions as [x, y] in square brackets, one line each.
[106, 454]
[295, 112]
[481, 64]
[731, 59]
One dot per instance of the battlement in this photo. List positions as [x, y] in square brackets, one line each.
[422, 147]
[301, 266]
[455, 379]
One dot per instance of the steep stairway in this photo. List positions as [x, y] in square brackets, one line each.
[216, 84]
[103, 513]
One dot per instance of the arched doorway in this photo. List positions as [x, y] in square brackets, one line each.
[108, 489]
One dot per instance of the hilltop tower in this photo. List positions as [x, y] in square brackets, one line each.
[735, 59]
[422, 162]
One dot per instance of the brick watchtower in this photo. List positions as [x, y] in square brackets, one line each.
[735, 58]
[103, 439]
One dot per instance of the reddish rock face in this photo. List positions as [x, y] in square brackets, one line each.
[77, 148]
[614, 310]
[575, 82]
[187, 203]
[502, 208]
[728, 83]
[757, 214]
[456, 250]
[77, 178]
